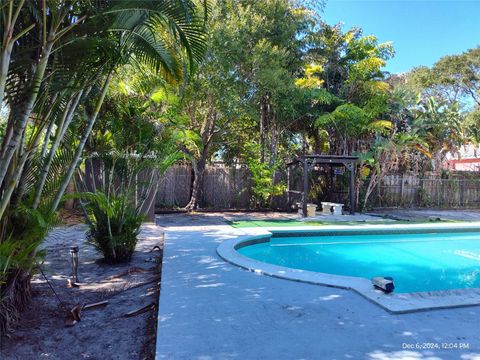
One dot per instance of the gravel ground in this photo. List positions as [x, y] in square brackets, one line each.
[105, 332]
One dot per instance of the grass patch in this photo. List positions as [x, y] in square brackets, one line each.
[268, 223]
[290, 222]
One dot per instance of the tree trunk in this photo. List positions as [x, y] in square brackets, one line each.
[8, 42]
[274, 141]
[65, 121]
[14, 174]
[21, 123]
[4, 66]
[371, 186]
[199, 172]
[207, 132]
[264, 125]
[51, 124]
[15, 294]
[81, 145]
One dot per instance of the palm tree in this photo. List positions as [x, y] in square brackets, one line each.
[441, 125]
[56, 64]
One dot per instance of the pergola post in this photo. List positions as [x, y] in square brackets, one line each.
[331, 183]
[289, 175]
[352, 188]
[305, 187]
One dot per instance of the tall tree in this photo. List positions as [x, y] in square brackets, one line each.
[248, 76]
[442, 127]
[346, 89]
[453, 78]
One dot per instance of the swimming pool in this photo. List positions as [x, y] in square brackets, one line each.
[419, 262]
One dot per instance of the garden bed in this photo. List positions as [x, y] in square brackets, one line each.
[103, 332]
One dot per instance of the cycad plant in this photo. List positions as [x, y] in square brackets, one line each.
[114, 224]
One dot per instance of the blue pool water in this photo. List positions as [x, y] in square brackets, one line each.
[417, 262]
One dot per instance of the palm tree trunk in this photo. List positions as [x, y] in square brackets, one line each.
[49, 128]
[81, 145]
[16, 294]
[12, 182]
[67, 117]
[21, 123]
[4, 66]
[15, 178]
[8, 41]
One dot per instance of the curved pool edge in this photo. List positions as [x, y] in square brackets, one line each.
[393, 303]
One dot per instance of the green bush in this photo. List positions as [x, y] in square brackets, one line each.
[24, 229]
[264, 187]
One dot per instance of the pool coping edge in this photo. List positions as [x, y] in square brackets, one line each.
[393, 303]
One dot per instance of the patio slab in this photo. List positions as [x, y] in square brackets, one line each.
[210, 309]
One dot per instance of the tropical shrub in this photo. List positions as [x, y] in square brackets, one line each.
[264, 186]
[19, 256]
[129, 149]
[114, 225]
[116, 207]
[58, 61]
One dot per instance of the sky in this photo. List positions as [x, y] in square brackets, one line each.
[422, 31]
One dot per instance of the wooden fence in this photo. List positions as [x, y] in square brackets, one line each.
[408, 190]
[223, 187]
[231, 188]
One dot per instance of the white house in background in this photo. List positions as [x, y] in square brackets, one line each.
[466, 159]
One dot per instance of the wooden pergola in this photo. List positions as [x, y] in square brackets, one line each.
[308, 162]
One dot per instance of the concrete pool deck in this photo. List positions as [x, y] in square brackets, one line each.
[210, 309]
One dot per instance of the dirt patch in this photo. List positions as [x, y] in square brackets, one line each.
[103, 332]
[71, 216]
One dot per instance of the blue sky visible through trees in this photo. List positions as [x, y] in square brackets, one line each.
[422, 31]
